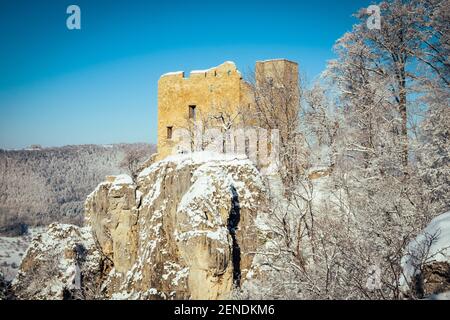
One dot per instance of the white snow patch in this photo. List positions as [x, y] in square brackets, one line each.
[196, 158]
[173, 73]
[182, 274]
[440, 296]
[121, 180]
[439, 250]
[12, 250]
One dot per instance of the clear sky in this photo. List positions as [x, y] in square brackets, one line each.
[99, 84]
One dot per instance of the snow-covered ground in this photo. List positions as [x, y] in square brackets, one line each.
[440, 296]
[12, 250]
[423, 250]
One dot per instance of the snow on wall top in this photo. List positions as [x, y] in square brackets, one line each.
[121, 180]
[173, 73]
[276, 59]
[177, 73]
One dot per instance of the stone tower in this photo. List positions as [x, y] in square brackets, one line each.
[277, 91]
[277, 72]
[280, 76]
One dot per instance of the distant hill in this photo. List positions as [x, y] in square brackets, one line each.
[42, 185]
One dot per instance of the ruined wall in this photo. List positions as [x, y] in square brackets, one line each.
[211, 91]
[218, 87]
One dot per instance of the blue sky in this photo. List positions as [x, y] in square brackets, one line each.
[99, 84]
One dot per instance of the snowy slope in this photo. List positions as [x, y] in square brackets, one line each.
[12, 250]
[424, 250]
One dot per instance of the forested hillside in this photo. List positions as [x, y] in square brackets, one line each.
[38, 186]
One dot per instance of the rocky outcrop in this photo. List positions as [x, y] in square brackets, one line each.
[434, 279]
[185, 229]
[426, 265]
[63, 263]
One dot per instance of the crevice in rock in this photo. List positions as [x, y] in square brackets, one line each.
[138, 201]
[232, 225]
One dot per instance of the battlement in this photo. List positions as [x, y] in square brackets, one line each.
[277, 60]
[225, 69]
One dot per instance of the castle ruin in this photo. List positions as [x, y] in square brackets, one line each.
[184, 99]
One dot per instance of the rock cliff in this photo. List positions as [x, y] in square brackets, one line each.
[62, 263]
[185, 229]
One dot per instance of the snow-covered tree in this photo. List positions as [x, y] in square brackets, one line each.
[344, 235]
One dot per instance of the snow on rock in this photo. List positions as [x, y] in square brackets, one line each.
[179, 231]
[176, 230]
[440, 296]
[173, 73]
[121, 180]
[62, 263]
[193, 158]
[426, 264]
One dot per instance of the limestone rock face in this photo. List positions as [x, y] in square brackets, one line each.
[63, 263]
[112, 212]
[185, 229]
